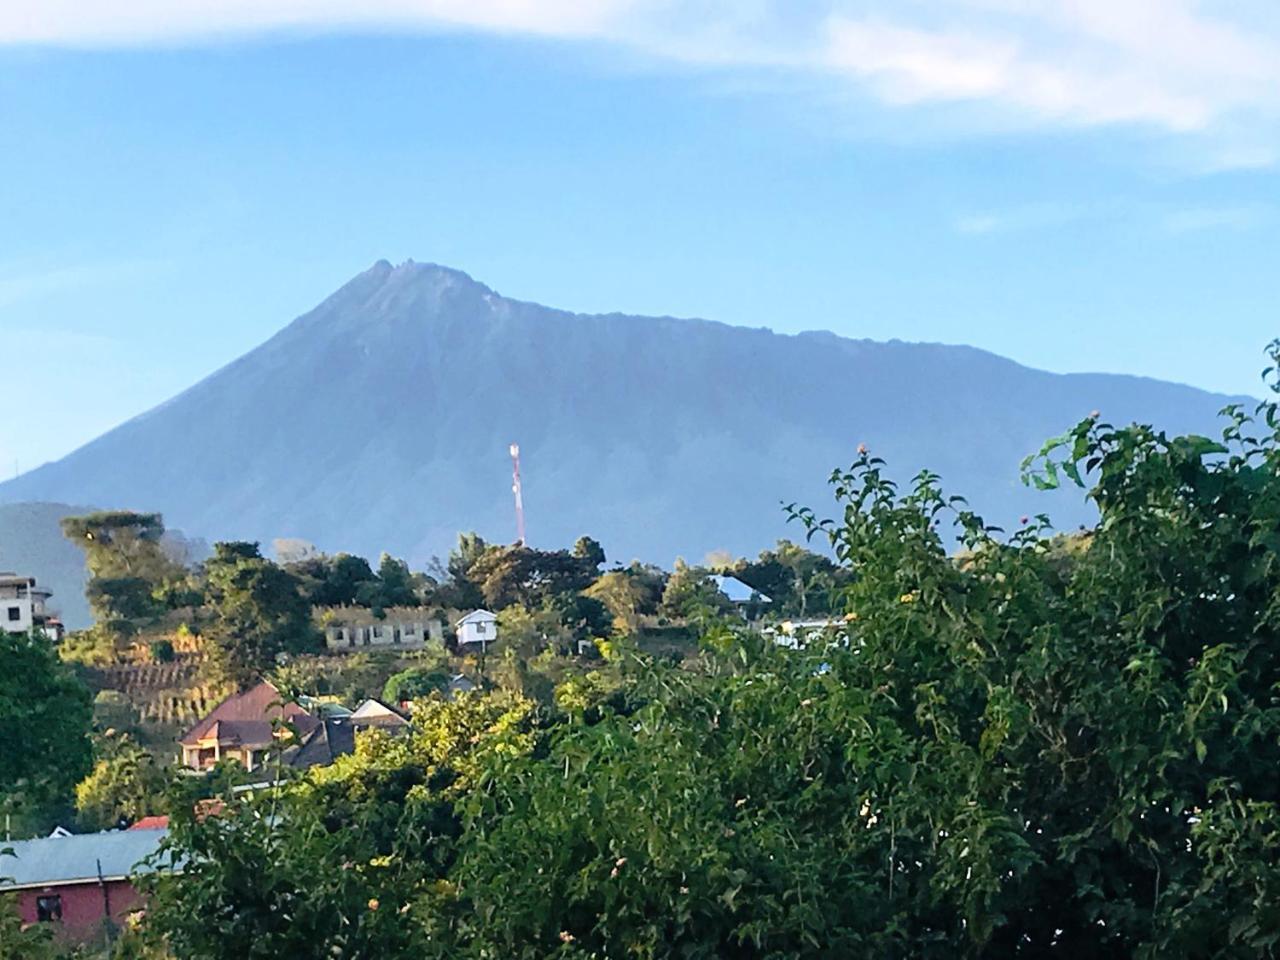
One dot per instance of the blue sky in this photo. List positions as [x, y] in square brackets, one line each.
[1076, 184]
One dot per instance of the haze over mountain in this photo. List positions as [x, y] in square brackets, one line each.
[381, 421]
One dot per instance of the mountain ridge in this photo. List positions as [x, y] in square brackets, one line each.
[380, 419]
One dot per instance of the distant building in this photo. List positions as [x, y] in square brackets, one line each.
[476, 631]
[23, 607]
[459, 684]
[803, 633]
[741, 595]
[375, 713]
[332, 738]
[77, 883]
[242, 728]
[351, 629]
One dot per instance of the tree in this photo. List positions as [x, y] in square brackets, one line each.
[798, 581]
[120, 543]
[131, 563]
[361, 868]
[125, 785]
[623, 595]
[414, 684]
[590, 552]
[524, 576]
[259, 613]
[123, 598]
[47, 713]
[692, 594]
[1012, 747]
[397, 587]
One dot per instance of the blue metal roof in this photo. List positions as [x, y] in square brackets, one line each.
[736, 590]
[49, 861]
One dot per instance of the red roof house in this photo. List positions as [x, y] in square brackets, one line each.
[244, 727]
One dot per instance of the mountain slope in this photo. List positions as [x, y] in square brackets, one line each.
[381, 420]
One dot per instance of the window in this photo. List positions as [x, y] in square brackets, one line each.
[15, 613]
[480, 628]
[49, 908]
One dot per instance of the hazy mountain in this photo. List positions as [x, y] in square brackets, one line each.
[381, 420]
[31, 542]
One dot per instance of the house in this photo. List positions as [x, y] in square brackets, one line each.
[24, 607]
[459, 683]
[77, 883]
[244, 728]
[740, 594]
[476, 631]
[375, 713]
[334, 737]
[350, 629]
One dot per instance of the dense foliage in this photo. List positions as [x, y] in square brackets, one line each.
[44, 741]
[1032, 746]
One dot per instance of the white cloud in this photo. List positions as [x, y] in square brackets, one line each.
[1169, 65]
[110, 22]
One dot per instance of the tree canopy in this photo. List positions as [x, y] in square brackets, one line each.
[47, 713]
[1010, 746]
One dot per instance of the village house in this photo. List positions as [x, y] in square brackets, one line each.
[78, 882]
[741, 595]
[378, 715]
[477, 631]
[24, 607]
[245, 728]
[350, 629]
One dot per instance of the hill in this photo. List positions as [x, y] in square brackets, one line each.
[381, 420]
[31, 542]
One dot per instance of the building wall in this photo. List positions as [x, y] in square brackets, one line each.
[477, 632]
[83, 909]
[25, 618]
[393, 634]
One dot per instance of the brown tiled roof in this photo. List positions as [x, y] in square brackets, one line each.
[246, 718]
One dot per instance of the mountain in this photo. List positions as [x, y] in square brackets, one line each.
[31, 542]
[381, 421]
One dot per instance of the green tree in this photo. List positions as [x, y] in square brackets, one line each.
[259, 613]
[691, 594]
[590, 552]
[124, 785]
[1014, 746]
[131, 566]
[524, 576]
[800, 582]
[414, 684]
[623, 596]
[47, 715]
[396, 582]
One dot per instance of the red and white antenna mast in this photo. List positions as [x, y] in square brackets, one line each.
[517, 489]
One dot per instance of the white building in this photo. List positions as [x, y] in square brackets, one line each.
[350, 629]
[23, 607]
[476, 631]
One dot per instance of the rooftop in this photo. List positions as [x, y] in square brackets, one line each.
[247, 718]
[51, 861]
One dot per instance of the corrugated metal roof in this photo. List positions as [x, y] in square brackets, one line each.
[55, 860]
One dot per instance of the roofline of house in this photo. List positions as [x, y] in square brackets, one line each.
[46, 884]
